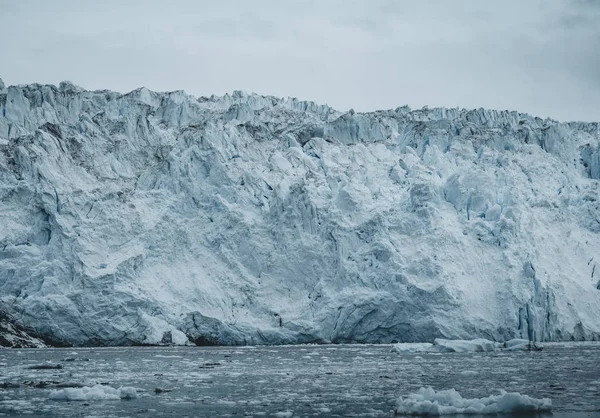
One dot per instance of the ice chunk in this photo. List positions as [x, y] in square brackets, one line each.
[469, 373]
[94, 393]
[520, 344]
[127, 392]
[413, 347]
[478, 345]
[428, 401]
[515, 342]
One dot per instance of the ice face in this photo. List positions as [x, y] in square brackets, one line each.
[162, 218]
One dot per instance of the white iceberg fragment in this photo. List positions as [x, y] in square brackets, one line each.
[479, 345]
[469, 373]
[515, 343]
[428, 401]
[522, 345]
[412, 347]
[94, 393]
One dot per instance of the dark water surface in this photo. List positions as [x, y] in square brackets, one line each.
[299, 381]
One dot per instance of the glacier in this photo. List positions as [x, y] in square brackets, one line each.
[162, 218]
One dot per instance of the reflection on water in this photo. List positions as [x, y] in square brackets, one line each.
[311, 381]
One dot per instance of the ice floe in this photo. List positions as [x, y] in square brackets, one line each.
[94, 393]
[479, 345]
[428, 401]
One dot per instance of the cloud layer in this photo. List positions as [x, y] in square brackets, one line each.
[537, 56]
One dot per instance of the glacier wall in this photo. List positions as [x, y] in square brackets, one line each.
[148, 217]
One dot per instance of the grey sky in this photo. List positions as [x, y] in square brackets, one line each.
[536, 56]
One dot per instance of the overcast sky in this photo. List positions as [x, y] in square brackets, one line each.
[536, 56]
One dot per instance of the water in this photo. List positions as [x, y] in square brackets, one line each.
[310, 381]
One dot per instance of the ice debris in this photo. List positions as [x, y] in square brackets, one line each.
[478, 345]
[94, 393]
[428, 401]
[413, 347]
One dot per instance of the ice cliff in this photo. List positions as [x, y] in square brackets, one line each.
[149, 217]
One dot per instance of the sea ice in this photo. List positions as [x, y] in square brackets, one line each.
[94, 393]
[478, 345]
[515, 343]
[428, 401]
[521, 345]
[412, 347]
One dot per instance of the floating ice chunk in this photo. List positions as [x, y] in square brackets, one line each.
[478, 345]
[515, 342]
[412, 347]
[519, 344]
[469, 373]
[427, 401]
[127, 392]
[94, 393]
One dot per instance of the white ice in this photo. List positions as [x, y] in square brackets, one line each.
[162, 218]
[413, 347]
[427, 401]
[94, 393]
[478, 345]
